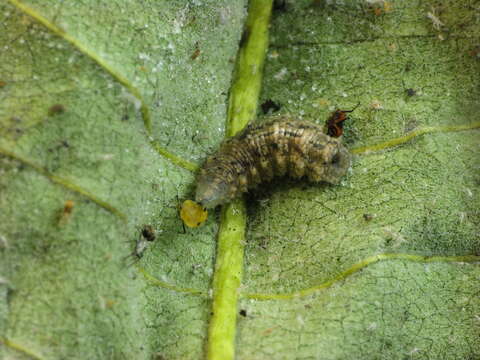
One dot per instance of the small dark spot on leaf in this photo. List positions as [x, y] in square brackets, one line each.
[410, 92]
[411, 125]
[270, 105]
[473, 53]
[243, 312]
[196, 53]
[280, 6]
[66, 212]
[56, 109]
[368, 217]
[148, 233]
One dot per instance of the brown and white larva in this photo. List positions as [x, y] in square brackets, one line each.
[261, 152]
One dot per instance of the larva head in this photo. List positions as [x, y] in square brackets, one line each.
[212, 190]
[331, 163]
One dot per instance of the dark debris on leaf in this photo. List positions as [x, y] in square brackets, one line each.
[270, 105]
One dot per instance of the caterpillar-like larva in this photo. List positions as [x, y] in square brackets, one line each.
[261, 152]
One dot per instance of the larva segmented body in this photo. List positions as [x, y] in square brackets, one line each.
[261, 152]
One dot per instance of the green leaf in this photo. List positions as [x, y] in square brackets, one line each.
[72, 291]
[315, 291]
[384, 266]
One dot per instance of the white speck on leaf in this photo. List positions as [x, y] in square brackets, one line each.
[437, 24]
[414, 350]
[143, 56]
[3, 242]
[281, 74]
[106, 156]
[132, 98]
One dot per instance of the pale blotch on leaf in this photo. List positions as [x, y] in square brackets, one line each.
[192, 213]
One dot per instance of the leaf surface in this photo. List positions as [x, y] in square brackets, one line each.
[68, 290]
[73, 292]
[420, 198]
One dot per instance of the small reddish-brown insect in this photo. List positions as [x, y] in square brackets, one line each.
[336, 120]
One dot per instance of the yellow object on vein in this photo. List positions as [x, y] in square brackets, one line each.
[193, 214]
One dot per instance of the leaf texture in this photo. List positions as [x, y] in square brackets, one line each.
[109, 104]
